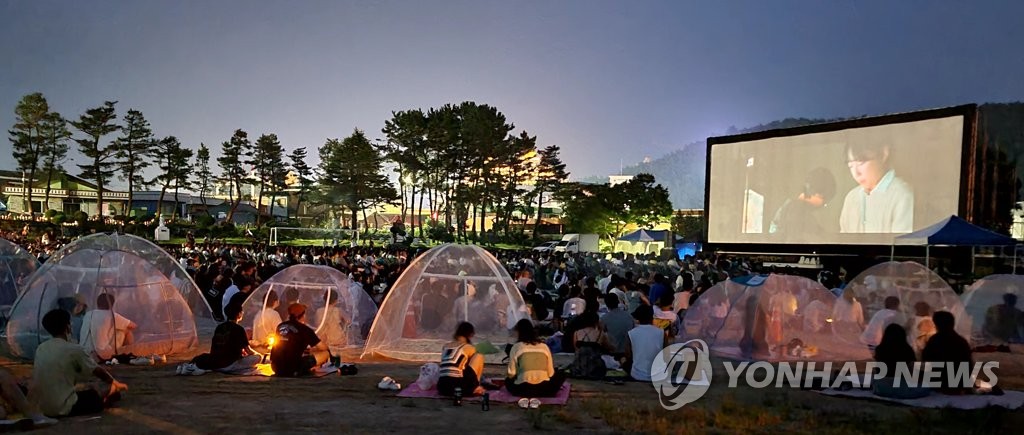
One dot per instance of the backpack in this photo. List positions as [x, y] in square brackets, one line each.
[588, 363]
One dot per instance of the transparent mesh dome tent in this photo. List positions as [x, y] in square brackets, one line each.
[446, 285]
[16, 265]
[917, 289]
[990, 323]
[769, 318]
[149, 288]
[342, 323]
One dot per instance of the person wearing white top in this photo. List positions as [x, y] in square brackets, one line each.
[872, 334]
[881, 202]
[265, 323]
[105, 333]
[643, 343]
[604, 282]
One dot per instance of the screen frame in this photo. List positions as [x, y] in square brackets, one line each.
[968, 112]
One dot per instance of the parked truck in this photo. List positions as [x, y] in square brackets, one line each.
[576, 243]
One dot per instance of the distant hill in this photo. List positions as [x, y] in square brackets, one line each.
[682, 171]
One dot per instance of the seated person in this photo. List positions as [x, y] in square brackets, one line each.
[643, 343]
[1003, 322]
[947, 346]
[531, 369]
[538, 300]
[229, 348]
[331, 332]
[106, 333]
[60, 365]
[590, 343]
[664, 317]
[891, 352]
[461, 365]
[265, 324]
[872, 334]
[618, 323]
[921, 326]
[289, 356]
[14, 397]
[75, 306]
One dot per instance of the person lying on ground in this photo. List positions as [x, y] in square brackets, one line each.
[461, 365]
[229, 349]
[298, 349]
[61, 365]
[531, 370]
[106, 333]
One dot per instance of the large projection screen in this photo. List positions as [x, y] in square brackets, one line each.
[863, 185]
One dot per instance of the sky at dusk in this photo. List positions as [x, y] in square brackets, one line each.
[608, 81]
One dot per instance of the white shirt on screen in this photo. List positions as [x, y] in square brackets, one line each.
[889, 208]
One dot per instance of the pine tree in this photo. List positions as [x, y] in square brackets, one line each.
[235, 154]
[168, 152]
[352, 174]
[55, 151]
[304, 174]
[134, 149]
[551, 174]
[96, 123]
[181, 174]
[204, 176]
[27, 141]
[268, 161]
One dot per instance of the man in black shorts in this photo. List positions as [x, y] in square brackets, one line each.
[60, 365]
[289, 357]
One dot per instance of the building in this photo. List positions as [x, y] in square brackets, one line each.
[614, 180]
[66, 193]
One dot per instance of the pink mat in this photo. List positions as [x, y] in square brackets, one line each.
[502, 395]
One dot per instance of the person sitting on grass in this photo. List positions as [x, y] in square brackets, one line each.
[265, 324]
[948, 347]
[298, 350]
[618, 323]
[461, 365]
[643, 343]
[891, 353]
[1004, 322]
[105, 333]
[531, 369]
[14, 397]
[329, 316]
[590, 343]
[61, 365]
[872, 334]
[229, 349]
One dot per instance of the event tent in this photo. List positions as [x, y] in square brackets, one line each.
[444, 286]
[146, 284]
[991, 322]
[954, 231]
[770, 318]
[643, 241]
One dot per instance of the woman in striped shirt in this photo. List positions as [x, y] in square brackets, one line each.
[461, 365]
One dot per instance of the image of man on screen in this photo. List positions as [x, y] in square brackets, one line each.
[797, 218]
[881, 202]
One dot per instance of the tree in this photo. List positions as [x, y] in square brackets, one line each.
[234, 155]
[351, 174]
[172, 160]
[133, 151]
[55, 148]
[690, 228]
[406, 133]
[268, 162]
[204, 176]
[603, 209]
[551, 174]
[304, 174]
[181, 174]
[96, 123]
[27, 141]
[516, 167]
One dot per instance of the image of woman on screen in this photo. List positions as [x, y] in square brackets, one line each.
[797, 218]
[881, 202]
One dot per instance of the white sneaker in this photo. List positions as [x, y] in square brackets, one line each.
[141, 361]
[179, 370]
[524, 403]
[43, 421]
[534, 403]
[389, 384]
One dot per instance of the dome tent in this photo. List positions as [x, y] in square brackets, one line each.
[16, 265]
[148, 286]
[769, 318]
[915, 286]
[987, 324]
[341, 323]
[446, 285]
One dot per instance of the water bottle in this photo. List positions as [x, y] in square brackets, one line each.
[458, 396]
[486, 403]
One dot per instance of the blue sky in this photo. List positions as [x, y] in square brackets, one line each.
[608, 81]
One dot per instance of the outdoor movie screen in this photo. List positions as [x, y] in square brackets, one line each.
[863, 185]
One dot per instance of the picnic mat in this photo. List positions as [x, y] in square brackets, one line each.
[413, 391]
[1009, 400]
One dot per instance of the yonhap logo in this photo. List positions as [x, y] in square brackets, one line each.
[681, 373]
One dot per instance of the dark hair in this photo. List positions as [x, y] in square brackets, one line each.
[944, 321]
[104, 301]
[666, 300]
[526, 332]
[330, 296]
[611, 300]
[271, 297]
[820, 181]
[531, 287]
[922, 308]
[589, 319]
[56, 322]
[232, 311]
[892, 302]
[464, 330]
[1010, 299]
[238, 299]
[866, 150]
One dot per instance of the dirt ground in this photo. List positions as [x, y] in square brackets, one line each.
[160, 402]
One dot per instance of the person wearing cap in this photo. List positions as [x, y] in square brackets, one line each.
[643, 343]
[289, 356]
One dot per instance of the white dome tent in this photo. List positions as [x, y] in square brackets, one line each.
[343, 323]
[980, 302]
[914, 285]
[148, 286]
[446, 285]
[16, 265]
[769, 318]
